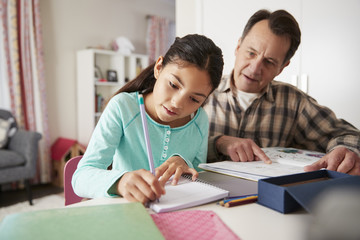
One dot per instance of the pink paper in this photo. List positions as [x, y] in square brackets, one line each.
[192, 224]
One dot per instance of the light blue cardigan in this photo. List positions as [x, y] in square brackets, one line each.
[118, 139]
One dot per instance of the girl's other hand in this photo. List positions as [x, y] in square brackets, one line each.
[176, 166]
[140, 186]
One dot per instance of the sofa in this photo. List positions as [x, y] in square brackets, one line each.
[18, 152]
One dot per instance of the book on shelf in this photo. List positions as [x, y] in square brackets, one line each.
[99, 102]
[285, 161]
[187, 193]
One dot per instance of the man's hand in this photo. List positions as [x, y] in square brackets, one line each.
[241, 149]
[340, 159]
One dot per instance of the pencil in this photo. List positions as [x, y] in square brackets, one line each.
[232, 204]
[146, 134]
[241, 201]
[228, 199]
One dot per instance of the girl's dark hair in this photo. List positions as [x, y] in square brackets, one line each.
[281, 23]
[193, 49]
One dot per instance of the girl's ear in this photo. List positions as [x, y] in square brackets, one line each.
[158, 67]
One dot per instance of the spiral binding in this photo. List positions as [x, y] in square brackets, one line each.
[189, 176]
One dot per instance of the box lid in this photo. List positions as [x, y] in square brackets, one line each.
[305, 194]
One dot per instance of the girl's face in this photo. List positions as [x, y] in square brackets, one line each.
[180, 89]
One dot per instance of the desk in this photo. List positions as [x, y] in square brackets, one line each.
[249, 222]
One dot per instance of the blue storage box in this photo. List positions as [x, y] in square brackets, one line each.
[289, 193]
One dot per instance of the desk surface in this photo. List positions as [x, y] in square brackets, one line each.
[251, 221]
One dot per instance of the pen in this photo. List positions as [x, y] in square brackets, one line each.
[146, 133]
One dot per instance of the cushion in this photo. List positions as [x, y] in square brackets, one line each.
[6, 131]
[9, 159]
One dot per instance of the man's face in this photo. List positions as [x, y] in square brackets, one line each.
[259, 58]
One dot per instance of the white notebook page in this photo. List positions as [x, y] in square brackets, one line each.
[187, 193]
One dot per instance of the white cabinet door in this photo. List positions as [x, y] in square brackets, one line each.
[331, 55]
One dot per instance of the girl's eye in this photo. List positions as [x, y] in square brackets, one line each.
[194, 100]
[172, 85]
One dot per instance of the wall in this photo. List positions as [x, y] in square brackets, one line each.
[71, 25]
[191, 22]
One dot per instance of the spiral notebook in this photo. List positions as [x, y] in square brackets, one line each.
[187, 193]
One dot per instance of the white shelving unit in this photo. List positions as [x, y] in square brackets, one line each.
[92, 85]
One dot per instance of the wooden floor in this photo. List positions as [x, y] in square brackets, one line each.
[11, 197]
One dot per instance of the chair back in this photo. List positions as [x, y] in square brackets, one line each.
[69, 169]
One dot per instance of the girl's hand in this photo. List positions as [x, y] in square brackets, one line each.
[140, 186]
[174, 166]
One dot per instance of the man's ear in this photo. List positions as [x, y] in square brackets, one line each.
[158, 67]
[238, 45]
[284, 66]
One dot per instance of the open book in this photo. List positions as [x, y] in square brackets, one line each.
[285, 161]
[187, 193]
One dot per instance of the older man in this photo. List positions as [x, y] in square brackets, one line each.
[251, 110]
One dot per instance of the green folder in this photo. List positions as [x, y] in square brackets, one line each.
[114, 221]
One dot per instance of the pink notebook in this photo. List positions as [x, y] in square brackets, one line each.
[192, 224]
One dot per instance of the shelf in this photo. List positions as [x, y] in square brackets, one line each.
[92, 95]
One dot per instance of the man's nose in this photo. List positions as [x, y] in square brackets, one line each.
[256, 65]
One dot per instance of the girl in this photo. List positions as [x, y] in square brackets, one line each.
[174, 88]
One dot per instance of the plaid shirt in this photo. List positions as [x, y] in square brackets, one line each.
[282, 116]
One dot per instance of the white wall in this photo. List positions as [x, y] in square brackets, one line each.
[191, 22]
[71, 25]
